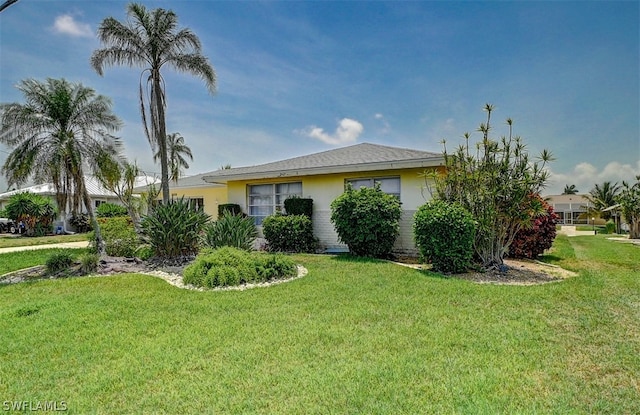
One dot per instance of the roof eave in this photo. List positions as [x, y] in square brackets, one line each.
[311, 171]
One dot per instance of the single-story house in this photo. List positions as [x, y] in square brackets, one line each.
[97, 193]
[571, 209]
[261, 190]
[198, 193]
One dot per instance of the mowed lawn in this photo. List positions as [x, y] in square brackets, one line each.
[353, 336]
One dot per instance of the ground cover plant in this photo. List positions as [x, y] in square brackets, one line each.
[355, 335]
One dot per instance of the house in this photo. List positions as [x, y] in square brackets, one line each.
[261, 190]
[571, 209]
[97, 193]
[201, 195]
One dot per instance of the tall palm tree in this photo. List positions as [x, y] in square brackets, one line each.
[177, 150]
[58, 133]
[151, 40]
[570, 190]
[602, 197]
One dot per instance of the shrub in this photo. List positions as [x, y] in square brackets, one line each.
[173, 230]
[610, 226]
[532, 241]
[231, 230]
[367, 220]
[88, 262]
[229, 266]
[36, 212]
[59, 262]
[81, 222]
[110, 210]
[444, 234]
[119, 236]
[289, 233]
[233, 208]
[298, 206]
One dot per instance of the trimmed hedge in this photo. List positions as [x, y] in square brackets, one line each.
[289, 233]
[119, 235]
[444, 234]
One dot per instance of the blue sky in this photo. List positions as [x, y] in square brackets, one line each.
[296, 78]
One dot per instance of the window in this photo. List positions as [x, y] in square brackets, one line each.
[99, 202]
[266, 199]
[196, 203]
[389, 185]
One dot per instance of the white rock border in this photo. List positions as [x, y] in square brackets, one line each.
[176, 281]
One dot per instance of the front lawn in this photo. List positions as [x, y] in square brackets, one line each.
[8, 240]
[353, 336]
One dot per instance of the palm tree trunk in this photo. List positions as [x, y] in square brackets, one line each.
[161, 135]
[100, 247]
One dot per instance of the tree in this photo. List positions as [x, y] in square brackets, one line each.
[36, 212]
[61, 130]
[629, 200]
[602, 197]
[150, 40]
[493, 184]
[570, 190]
[176, 152]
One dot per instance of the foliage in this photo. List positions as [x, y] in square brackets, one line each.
[570, 190]
[289, 233]
[299, 206]
[88, 262]
[151, 39]
[228, 266]
[173, 229]
[231, 230]
[532, 241]
[110, 210]
[177, 150]
[601, 197]
[81, 222]
[36, 212]
[59, 261]
[61, 129]
[232, 208]
[493, 183]
[444, 233]
[120, 237]
[610, 227]
[629, 200]
[367, 220]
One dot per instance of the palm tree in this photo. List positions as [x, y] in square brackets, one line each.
[150, 39]
[570, 190]
[59, 132]
[176, 152]
[602, 197]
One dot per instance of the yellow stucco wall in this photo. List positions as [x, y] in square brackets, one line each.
[213, 196]
[323, 189]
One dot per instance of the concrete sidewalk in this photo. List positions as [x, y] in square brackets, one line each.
[571, 231]
[80, 244]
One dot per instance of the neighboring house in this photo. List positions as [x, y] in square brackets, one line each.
[97, 193]
[571, 209]
[261, 190]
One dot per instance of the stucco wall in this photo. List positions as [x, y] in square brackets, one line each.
[323, 189]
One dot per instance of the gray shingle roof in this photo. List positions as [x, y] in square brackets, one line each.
[359, 157]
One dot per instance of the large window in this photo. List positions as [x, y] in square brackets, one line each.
[389, 185]
[266, 199]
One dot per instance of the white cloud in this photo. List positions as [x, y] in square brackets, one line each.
[66, 24]
[347, 132]
[386, 128]
[585, 176]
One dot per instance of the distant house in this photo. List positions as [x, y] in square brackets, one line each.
[97, 193]
[571, 209]
[262, 189]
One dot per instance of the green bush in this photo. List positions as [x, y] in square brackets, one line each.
[231, 230]
[173, 230]
[228, 266]
[110, 210]
[88, 262]
[59, 262]
[367, 220]
[119, 236]
[289, 233]
[299, 206]
[610, 226]
[35, 211]
[444, 234]
[233, 208]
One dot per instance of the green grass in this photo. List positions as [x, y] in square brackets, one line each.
[353, 336]
[7, 241]
[24, 259]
